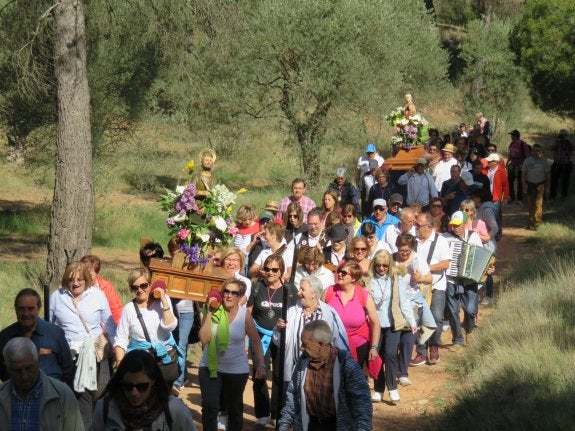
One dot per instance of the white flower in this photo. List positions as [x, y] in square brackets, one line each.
[204, 237]
[221, 224]
[404, 121]
[416, 117]
[178, 218]
[180, 189]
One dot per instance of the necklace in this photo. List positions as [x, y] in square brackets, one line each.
[271, 313]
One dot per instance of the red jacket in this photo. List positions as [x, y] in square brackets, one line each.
[112, 296]
[500, 185]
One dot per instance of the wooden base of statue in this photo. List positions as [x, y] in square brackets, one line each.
[186, 283]
[404, 160]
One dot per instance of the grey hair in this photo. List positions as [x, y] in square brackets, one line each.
[341, 172]
[315, 285]
[319, 331]
[19, 348]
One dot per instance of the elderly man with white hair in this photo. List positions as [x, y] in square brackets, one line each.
[31, 400]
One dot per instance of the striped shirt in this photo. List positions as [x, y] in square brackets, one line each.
[26, 413]
[535, 170]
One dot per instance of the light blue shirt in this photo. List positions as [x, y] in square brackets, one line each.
[381, 289]
[93, 307]
[380, 228]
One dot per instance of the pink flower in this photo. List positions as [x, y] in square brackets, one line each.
[232, 230]
[183, 233]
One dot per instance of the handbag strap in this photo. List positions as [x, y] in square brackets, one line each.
[141, 319]
[80, 316]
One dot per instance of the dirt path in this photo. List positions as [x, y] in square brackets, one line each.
[432, 385]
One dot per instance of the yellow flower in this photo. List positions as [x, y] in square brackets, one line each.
[190, 166]
[242, 191]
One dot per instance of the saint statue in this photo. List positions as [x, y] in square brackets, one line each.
[205, 180]
[409, 107]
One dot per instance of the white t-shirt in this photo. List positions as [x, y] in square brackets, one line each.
[441, 252]
[391, 234]
[287, 255]
[363, 162]
[442, 171]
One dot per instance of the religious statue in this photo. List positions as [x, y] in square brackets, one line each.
[205, 180]
[409, 107]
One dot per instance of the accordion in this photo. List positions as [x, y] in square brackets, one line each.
[468, 261]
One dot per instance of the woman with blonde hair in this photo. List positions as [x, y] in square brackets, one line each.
[386, 283]
[358, 252]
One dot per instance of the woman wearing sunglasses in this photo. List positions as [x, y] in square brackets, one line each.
[383, 272]
[147, 323]
[266, 304]
[358, 252]
[357, 311]
[224, 368]
[137, 398]
[293, 223]
[83, 312]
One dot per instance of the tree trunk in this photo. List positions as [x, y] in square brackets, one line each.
[73, 203]
[310, 152]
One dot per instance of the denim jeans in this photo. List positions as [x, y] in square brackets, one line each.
[232, 387]
[437, 310]
[388, 353]
[185, 323]
[457, 295]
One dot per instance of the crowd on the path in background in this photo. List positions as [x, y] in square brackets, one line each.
[364, 283]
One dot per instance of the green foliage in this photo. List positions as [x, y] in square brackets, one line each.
[544, 41]
[491, 83]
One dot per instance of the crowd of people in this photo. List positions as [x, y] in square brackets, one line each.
[317, 297]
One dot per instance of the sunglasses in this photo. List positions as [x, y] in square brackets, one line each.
[343, 273]
[273, 270]
[135, 287]
[378, 208]
[360, 249]
[140, 387]
[293, 216]
[234, 293]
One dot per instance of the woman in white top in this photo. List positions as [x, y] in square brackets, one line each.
[83, 312]
[273, 235]
[233, 262]
[224, 367]
[157, 316]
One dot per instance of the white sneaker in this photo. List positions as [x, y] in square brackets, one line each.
[393, 396]
[222, 422]
[487, 301]
[262, 422]
[404, 381]
[376, 397]
[445, 328]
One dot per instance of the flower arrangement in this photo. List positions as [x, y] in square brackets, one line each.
[200, 224]
[409, 130]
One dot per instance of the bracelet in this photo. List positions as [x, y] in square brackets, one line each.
[166, 309]
[375, 346]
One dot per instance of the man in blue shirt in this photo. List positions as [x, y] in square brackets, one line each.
[54, 352]
[380, 218]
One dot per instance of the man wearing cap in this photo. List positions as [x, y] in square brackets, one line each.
[395, 204]
[298, 195]
[535, 185]
[442, 170]
[363, 162]
[367, 181]
[380, 218]
[345, 190]
[460, 291]
[499, 187]
[432, 248]
[454, 190]
[335, 252]
[420, 185]
[562, 164]
[518, 152]
[405, 225]
[272, 207]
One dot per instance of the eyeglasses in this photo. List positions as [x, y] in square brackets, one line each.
[140, 387]
[404, 251]
[234, 293]
[135, 287]
[419, 226]
[343, 273]
[360, 249]
[378, 208]
[467, 210]
[274, 270]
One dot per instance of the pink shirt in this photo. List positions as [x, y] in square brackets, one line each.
[352, 315]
